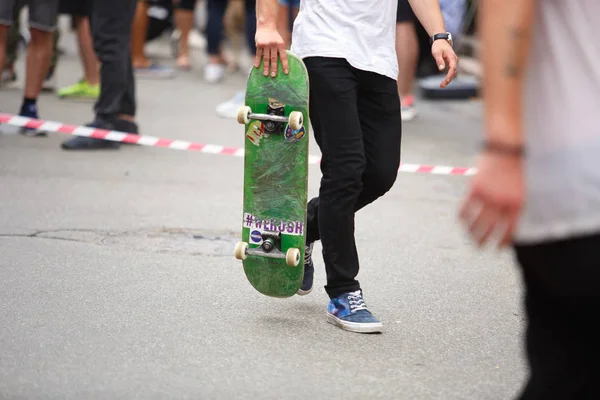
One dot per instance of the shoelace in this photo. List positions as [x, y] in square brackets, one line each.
[356, 302]
[307, 255]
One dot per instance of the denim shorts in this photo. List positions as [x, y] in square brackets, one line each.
[290, 3]
[42, 13]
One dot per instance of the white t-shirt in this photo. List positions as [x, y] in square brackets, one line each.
[361, 31]
[562, 123]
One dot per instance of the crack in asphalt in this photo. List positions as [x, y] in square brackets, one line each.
[157, 240]
[37, 234]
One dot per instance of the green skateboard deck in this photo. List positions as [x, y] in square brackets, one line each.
[275, 179]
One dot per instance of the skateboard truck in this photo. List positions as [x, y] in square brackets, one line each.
[269, 240]
[275, 109]
[268, 249]
[295, 119]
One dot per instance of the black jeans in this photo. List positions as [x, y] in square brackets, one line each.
[562, 299]
[355, 115]
[111, 22]
[214, 25]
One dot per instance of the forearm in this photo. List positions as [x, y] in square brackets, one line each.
[266, 13]
[429, 14]
[505, 39]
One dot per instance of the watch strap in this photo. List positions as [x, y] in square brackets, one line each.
[445, 36]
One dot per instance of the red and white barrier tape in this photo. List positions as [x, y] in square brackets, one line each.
[115, 136]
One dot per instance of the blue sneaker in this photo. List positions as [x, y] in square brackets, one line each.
[30, 111]
[309, 271]
[155, 71]
[350, 313]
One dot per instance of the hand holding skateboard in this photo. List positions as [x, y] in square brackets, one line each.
[269, 47]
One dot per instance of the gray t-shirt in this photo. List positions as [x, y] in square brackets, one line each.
[562, 123]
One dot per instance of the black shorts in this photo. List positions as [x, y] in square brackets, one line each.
[80, 8]
[405, 12]
[180, 4]
[189, 5]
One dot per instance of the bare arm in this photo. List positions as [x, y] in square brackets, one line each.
[269, 44]
[505, 39]
[494, 202]
[266, 13]
[429, 14]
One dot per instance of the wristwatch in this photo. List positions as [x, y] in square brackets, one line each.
[445, 36]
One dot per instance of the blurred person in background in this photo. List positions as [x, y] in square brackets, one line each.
[111, 24]
[42, 25]
[538, 182]
[234, 23]
[407, 52]
[13, 43]
[407, 47]
[143, 66]
[87, 87]
[184, 23]
[216, 67]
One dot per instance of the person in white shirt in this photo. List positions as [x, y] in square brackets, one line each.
[349, 50]
[538, 181]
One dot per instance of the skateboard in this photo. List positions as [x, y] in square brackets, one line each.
[276, 129]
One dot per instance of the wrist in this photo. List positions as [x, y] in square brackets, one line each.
[504, 127]
[266, 26]
[441, 35]
[265, 23]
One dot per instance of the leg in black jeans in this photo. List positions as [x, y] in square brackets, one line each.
[356, 119]
[562, 299]
[110, 23]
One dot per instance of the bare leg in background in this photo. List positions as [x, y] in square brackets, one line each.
[138, 36]
[407, 50]
[39, 54]
[184, 21]
[89, 61]
[3, 37]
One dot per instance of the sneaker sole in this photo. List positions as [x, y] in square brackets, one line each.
[408, 115]
[372, 327]
[82, 99]
[30, 132]
[301, 292]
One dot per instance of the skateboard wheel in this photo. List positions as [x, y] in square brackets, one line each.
[292, 257]
[295, 120]
[241, 250]
[243, 115]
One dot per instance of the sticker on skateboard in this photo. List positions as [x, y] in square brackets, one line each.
[274, 225]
